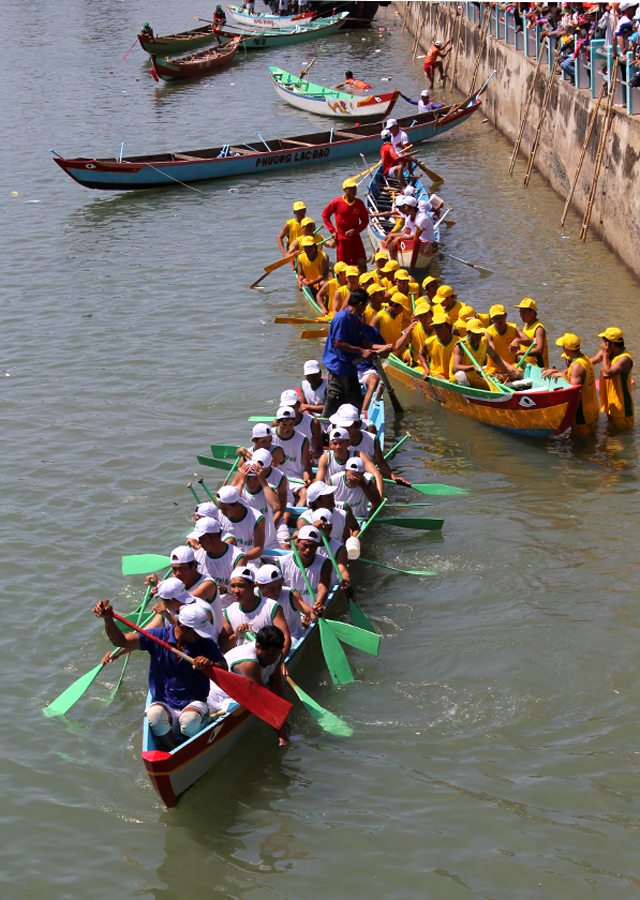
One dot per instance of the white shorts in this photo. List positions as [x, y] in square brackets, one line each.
[198, 705]
[364, 376]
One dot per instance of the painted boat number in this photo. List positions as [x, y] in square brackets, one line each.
[527, 402]
[215, 733]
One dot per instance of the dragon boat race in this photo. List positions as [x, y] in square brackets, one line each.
[320, 470]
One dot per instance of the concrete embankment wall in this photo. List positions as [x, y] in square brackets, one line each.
[616, 212]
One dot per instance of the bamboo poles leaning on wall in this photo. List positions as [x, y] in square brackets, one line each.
[604, 134]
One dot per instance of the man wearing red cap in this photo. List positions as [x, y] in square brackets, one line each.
[351, 220]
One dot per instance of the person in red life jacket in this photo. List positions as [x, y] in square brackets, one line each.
[351, 220]
[351, 85]
[392, 162]
[433, 61]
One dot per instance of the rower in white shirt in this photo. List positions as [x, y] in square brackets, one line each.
[399, 139]
[309, 425]
[313, 388]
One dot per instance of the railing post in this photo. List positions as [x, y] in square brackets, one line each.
[515, 34]
[525, 42]
[593, 54]
[551, 51]
[609, 64]
[576, 79]
[497, 8]
[627, 80]
[506, 27]
[537, 43]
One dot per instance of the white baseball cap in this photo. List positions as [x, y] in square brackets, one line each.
[340, 421]
[348, 411]
[311, 366]
[207, 509]
[182, 554]
[261, 430]
[355, 464]
[409, 191]
[228, 494]
[289, 398]
[205, 526]
[173, 589]
[400, 200]
[425, 93]
[319, 489]
[410, 201]
[262, 456]
[325, 514]
[195, 616]
[391, 122]
[424, 206]
[338, 434]
[385, 134]
[268, 574]
[243, 572]
[309, 533]
[285, 412]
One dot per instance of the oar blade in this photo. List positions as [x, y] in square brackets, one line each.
[356, 636]
[258, 700]
[337, 662]
[439, 490]
[310, 334]
[65, 701]
[419, 572]
[215, 463]
[144, 563]
[224, 451]
[359, 618]
[328, 721]
[419, 524]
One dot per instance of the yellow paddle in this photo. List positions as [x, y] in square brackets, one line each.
[321, 333]
[280, 263]
[298, 320]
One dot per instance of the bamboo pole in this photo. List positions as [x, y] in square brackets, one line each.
[484, 28]
[455, 55]
[583, 154]
[600, 154]
[543, 113]
[419, 27]
[523, 121]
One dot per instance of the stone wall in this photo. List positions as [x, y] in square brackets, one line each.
[616, 212]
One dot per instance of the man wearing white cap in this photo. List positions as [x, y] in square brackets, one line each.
[206, 510]
[297, 463]
[171, 596]
[426, 104]
[178, 688]
[249, 612]
[366, 443]
[399, 139]
[304, 422]
[321, 496]
[185, 567]
[317, 568]
[262, 439]
[356, 487]
[245, 524]
[393, 163]
[214, 557]
[313, 388]
[255, 492]
[323, 521]
[271, 586]
[335, 459]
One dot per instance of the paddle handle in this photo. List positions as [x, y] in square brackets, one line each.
[372, 516]
[377, 365]
[518, 364]
[334, 562]
[208, 492]
[151, 637]
[296, 556]
[394, 448]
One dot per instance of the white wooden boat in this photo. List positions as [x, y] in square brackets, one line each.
[324, 101]
[266, 20]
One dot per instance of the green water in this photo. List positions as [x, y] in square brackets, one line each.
[496, 737]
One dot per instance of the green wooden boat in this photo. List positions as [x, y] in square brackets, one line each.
[174, 44]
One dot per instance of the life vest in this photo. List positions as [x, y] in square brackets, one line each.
[615, 393]
[587, 411]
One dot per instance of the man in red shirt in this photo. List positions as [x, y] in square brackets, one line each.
[433, 61]
[392, 162]
[351, 220]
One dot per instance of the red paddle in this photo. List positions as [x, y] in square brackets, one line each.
[257, 699]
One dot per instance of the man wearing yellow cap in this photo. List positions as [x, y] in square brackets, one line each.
[532, 332]
[430, 287]
[413, 337]
[404, 284]
[388, 271]
[376, 296]
[308, 226]
[380, 258]
[471, 354]
[351, 220]
[616, 399]
[436, 352]
[313, 265]
[333, 296]
[389, 321]
[292, 228]
[502, 333]
[448, 302]
[579, 371]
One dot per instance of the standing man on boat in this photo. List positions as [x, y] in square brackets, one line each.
[178, 688]
[292, 228]
[615, 379]
[345, 344]
[503, 334]
[579, 371]
[351, 219]
[533, 333]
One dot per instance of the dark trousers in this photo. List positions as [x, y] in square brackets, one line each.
[341, 389]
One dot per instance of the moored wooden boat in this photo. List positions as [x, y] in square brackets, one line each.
[201, 63]
[380, 199]
[283, 37]
[165, 169]
[172, 44]
[261, 21]
[541, 410]
[324, 101]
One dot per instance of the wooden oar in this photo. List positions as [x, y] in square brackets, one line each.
[373, 516]
[279, 263]
[356, 612]
[310, 335]
[215, 463]
[395, 403]
[421, 572]
[131, 48]
[435, 178]
[303, 74]
[193, 492]
[433, 490]
[485, 273]
[325, 719]
[298, 320]
[396, 447]
[476, 365]
[224, 451]
[257, 699]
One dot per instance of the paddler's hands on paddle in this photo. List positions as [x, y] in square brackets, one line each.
[151, 580]
[201, 662]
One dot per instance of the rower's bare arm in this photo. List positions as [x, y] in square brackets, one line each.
[302, 606]
[597, 358]
[369, 467]
[280, 622]
[320, 298]
[208, 591]
[322, 591]
[352, 526]
[623, 364]
[372, 494]
[258, 541]
[341, 559]
[499, 361]
[578, 373]
[269, 494]
[283, 234]
[322, 467]
[130, 640]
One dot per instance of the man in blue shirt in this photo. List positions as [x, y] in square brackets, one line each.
[345, 345]
[178, 689]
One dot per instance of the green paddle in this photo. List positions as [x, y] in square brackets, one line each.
[215, 463]
[224, 451]
[144, 563]
[372, 517]
[371, 562]
[434, 490]
[206, 490]
[396, 446]
[360, 616]
[193, 491]
[361, 639]
[325, 719]
[416, 523]
[334, 655]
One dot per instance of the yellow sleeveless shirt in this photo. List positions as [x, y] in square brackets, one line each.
[440, 355]
[587, 411]
[311, 269]
[501, 343]
[534, 358]
[389, 328]
[295, 231]
[338, 293]
[615, 393]
[480, 355]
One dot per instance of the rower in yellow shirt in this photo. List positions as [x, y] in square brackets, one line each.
[449, 302]
[335, 293]
[579, 371]
[503, 334]
[292, 228]
[376, 296]
[366, 279]
[313, 266]
[404, 284]
[616, 399]
[466, 313]
[387, 273]
[381, 258]
[430, 287]
[532, 332]
[436, 352]
[471, 354]
[415, 335]
[389, 321]
[308, 226]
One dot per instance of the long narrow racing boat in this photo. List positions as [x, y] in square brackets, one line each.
[540, 407]
[324, 101]
[230, 160]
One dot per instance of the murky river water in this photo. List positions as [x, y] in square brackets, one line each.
[497, 738]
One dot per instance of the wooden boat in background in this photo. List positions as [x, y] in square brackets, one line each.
[378, 199]
[201, 63]
[542, 409]
[261, 21]
[165, 169]
[173, 44]
[283, 37]
[324, 101]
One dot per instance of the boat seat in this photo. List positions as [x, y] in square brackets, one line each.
[185, 156]
[240, 151]
[296, 143]
[347, 135]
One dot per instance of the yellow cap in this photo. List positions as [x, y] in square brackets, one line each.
[497, 310]
[423, 307]
[613, 334]
[374, 288]
[429, 280]
[307, 221]
[299, 205]
[443, 292]
[365, 278]
[340, 267]
[474, 326]
[466, 312]
[526, 303]
[402, 275]
[353, 271]
[308, 241]
[347, 183]
[391, 266]
[381, 254]
[569, 341]
[440, 317]
[402, 299]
